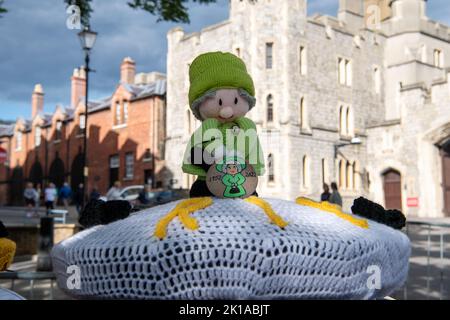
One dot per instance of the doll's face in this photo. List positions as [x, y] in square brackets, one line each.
[232, 169]
[226, 106]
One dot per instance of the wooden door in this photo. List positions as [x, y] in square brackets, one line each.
[393, 190]
[446, 181]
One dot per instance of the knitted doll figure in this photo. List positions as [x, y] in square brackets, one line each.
[221, 93]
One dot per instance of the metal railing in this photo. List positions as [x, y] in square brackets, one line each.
[428, 266]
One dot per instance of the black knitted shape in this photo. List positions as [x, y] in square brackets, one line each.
[92, 213]
[3, 232]
[373, 211]
[115, 210]
[99, 212]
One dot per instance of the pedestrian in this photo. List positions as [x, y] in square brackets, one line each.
[39, 195]
[65, 193]
[325, 196]
[78, 197]
[50, 194]
[30, 194]
[114, 192]
[94, 195]
[335, 196]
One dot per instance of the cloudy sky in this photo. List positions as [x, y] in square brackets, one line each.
[36, 46]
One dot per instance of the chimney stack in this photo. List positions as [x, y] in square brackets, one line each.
[78, 89]
[127, 71]
[37, 100]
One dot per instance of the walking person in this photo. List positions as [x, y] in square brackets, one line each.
[38, 196]
[78, 198]
[114, 192]
[30, 194]
[335, 195]
[65, 194]
[325, 196]
[50, 194]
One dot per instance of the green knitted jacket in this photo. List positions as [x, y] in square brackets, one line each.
[212, 134]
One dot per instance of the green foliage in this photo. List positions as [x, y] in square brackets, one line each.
[85, 9]
[2, 9]
[167, 10]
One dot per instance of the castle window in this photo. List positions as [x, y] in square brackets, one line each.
[18, 141]
[269, 108]
[377, 79]
[269, 55]
[303, 113]
[438, 58]
[271, 168]
[305, 172]
[37, 136]
[302, 60]
[345, 121]
[129, 165]
[345, 71]
[238, 52]
[324, 171]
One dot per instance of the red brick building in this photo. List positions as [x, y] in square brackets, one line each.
[126, 136]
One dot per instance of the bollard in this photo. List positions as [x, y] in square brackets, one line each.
[44, 262]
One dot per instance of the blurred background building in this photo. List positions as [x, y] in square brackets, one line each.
[126, 133]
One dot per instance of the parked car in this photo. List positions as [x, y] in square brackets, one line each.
[163, 196]
[131, 193]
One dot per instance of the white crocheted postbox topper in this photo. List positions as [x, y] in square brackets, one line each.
[235, 254]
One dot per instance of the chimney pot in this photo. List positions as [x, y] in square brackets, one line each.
[37, 100]
[127, 71]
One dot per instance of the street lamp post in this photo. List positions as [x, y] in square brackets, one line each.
[87, 39]
[354, 141]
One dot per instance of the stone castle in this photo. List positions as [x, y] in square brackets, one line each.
[362, 99]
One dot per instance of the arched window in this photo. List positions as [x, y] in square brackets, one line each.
[341, 174]
[324, 171]
[305, 172]
[271, 168]
[269, 108]
[377, 79]
[347, 121]
[303, 114]
[349, 175]
[341, 120]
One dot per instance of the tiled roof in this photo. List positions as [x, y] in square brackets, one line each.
[6, 130]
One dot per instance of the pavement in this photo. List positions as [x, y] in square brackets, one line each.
[429, 273]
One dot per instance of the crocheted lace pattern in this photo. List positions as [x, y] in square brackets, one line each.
[235, 254]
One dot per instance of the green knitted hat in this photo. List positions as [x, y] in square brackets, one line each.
[218, 70]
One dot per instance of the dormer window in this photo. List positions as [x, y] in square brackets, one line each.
[118, 114]
[82, 123]
[18, 141]
[37, 136]
[58, 130]
[125, 112]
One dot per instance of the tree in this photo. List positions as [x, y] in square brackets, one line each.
[165, 10]
[2, 9]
